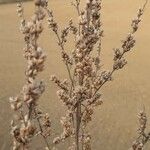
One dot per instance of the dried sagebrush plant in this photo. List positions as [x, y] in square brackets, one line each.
[81, 93]
[29, 121]
[143, 137]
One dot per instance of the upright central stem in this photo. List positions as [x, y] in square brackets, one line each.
[78, 115]
[78, 121]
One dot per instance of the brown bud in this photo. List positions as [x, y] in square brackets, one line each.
[37, 2]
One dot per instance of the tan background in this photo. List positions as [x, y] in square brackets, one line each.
[115, 123]
[9, 1]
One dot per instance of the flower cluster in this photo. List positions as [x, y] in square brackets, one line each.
[81, 90]
[20, 10]
[84, 67]
[61, 84]
[119, 64]
[22, 134]
[65, 32]
[67, 128]
[87, 116]
[28, 123]
[86, 142]
[81, 93]
[137, 20]
[36, 61]
[129, 42]
[52, 24]
[143, 137]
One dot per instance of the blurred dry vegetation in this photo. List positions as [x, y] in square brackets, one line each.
[114, 124]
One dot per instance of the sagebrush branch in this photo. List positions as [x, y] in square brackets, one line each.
[30, 121]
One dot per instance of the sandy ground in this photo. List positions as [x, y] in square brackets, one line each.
[115, 123]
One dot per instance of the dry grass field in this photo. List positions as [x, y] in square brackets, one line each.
[115, 122]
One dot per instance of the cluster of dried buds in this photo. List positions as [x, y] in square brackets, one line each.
[67, 128]
[86, 75]
[28, 122]
[129, 42]
[143, 137]
[81, 94]
[81, 88]
[44, 124]
[62, 38]
[86, 141]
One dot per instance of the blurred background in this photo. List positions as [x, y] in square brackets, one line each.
[10, 1]
[115, 122]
